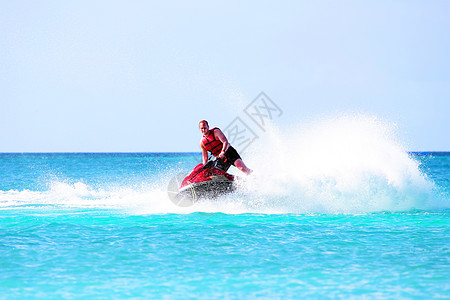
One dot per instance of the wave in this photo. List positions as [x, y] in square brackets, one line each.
[142, 200]
[349, 164]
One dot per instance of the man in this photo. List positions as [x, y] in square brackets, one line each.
[215, 142]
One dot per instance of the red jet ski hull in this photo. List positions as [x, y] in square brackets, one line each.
[203, 182]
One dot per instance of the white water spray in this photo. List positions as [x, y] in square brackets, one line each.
[349, 164]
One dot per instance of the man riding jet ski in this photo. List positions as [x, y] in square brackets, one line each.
[210, 179]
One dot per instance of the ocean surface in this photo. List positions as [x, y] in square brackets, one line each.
[101, 225]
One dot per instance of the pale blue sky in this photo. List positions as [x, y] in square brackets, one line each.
[139, 75]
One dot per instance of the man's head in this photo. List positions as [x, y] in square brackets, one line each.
[204, 127]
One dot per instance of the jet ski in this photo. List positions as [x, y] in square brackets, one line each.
[206, 181]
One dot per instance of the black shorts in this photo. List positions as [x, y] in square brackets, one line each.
[231, 156]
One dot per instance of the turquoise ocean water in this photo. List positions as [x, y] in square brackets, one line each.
[100, 225]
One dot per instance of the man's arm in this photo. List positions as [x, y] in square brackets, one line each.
[204, 153]
[221, 137]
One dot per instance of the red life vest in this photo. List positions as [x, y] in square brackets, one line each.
[212, 144]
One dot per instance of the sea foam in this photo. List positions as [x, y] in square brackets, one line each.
[348, 164]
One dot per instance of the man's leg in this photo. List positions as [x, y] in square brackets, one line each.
[241, 166]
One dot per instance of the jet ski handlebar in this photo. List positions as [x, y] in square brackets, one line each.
[213, 162]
